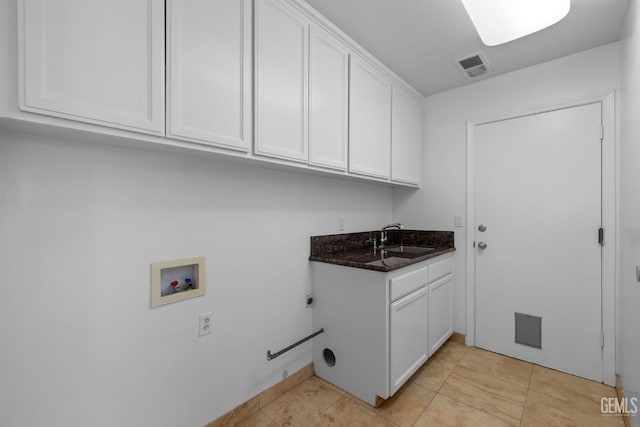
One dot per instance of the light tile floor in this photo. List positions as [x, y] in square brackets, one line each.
[459, 386]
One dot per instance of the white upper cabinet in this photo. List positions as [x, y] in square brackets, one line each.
[93, 61]
[406, 137]
[328, 100]
[269, 80]
[281, 73]
[209, 72]
[370, 120]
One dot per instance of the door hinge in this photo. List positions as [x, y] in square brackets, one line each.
[601, 340]
[601, 133]
[474, 243]
[601, 236]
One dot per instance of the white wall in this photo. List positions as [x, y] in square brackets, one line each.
[581, 76]
[80, 224]
[630, 205]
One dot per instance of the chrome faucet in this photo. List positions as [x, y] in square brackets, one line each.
[383, 232]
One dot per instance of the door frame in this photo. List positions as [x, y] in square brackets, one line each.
[609, 223]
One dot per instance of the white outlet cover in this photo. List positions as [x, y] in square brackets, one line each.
[206, 324]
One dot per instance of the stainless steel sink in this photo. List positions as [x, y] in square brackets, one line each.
[392, 255]
[387, 262]
[409, 249]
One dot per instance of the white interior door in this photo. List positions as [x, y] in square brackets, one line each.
[538, 194]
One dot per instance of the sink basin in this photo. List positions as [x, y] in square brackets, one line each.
[387, 261]
[400, 254]
[409, 249]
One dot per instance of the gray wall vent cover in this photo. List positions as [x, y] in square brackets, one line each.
[529, 330]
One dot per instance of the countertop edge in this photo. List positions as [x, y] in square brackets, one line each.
[384, 269]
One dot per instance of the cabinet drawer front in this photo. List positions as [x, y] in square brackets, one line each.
[440, 269]
[407, 283]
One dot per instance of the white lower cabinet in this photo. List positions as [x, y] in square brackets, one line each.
[408, 336]
[440, 312]
[408, 323]
[379, 327]
[440, 303]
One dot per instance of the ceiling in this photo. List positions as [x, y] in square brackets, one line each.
[420, 40]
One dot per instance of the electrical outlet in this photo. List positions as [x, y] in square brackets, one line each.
[285, 374]
[206, 324]
[341, 223]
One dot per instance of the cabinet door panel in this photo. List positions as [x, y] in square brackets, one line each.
[408, 336]
[281, 81]
[94, 61]
[406, 137]
[440, 312]
[209, 60]
[370, 120]
[328, 100]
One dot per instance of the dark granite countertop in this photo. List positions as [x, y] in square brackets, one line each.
[403, 248]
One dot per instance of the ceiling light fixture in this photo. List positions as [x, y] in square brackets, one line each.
[501, 21]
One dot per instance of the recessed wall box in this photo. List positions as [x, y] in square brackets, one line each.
[177, 280]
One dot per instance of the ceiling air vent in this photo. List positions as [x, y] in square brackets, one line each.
[474, 65]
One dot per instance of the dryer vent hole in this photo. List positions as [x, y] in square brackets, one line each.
[329, 357]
